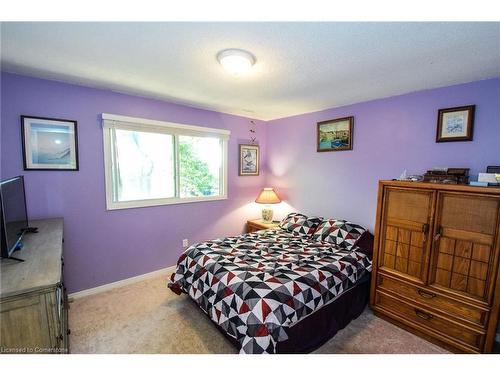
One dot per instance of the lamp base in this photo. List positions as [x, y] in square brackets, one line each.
[267, 215]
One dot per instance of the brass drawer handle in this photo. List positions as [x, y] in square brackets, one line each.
[425, 294]
[423, 315]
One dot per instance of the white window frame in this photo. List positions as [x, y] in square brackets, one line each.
[110, 122]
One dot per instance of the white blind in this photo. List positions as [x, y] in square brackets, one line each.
[110, 121]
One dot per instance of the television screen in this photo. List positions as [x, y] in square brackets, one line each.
[14, 217]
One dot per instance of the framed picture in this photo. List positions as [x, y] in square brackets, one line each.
[249, 160]
[49, 144]
[455, 124]
[335, 135]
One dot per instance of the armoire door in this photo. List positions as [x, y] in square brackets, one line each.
[405, 226]
[463, 253]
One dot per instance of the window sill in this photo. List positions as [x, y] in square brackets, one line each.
[110, 206]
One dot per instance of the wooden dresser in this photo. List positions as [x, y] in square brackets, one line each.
[33, 302]
[435, 267]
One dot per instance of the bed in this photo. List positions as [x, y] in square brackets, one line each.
[285, 290]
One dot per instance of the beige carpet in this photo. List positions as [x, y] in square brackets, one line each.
[147, 317]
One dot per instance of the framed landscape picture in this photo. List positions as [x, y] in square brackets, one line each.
[49, 144]
[455, 124]
[335, 135]
[249, 160]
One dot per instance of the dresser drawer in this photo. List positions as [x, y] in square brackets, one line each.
[433, 300]
[431, 323]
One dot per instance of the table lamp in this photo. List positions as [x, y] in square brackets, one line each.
[267, 196]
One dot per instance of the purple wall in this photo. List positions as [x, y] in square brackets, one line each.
[105, 246]
[102, 246]
[390, 135]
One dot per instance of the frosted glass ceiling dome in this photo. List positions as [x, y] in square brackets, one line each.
[236, 61]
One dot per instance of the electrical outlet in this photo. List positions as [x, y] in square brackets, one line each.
[185, 243]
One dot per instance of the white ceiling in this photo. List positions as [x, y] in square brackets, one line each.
[301, 67]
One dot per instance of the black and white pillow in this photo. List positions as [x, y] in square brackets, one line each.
[300, 224]
[339, 232]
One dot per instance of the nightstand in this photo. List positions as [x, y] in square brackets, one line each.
[258, 224]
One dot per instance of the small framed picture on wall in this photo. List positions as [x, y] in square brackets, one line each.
[335, 135]
[49, 144]
[249, 160]
[455, 124]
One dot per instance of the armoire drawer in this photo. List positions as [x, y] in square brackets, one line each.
[434, 300]
[431, 323]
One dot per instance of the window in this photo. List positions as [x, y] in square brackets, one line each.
[150, 163]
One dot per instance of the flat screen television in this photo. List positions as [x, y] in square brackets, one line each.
[14, 217]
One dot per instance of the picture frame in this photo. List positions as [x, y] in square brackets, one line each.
[249, 163]
[455, 124]
[49, 144]
[335, 135]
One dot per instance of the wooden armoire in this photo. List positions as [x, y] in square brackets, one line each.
[435, 266]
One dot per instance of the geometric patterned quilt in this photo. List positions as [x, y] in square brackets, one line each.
[256, 285]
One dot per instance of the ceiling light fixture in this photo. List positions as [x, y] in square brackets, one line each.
[236, 61]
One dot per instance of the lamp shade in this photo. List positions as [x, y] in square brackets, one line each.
[268, 196]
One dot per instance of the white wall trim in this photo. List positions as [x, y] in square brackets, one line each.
[117, 284]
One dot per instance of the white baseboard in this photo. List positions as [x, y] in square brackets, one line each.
[120, 283]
